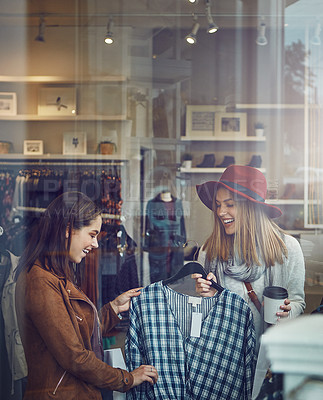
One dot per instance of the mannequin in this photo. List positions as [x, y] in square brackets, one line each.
[165, 235]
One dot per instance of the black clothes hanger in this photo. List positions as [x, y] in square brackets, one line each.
[193, 267]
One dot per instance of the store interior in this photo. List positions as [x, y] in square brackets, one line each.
[148, 115]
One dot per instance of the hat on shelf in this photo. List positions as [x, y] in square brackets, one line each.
[245, 181]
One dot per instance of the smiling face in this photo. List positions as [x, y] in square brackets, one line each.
[84, 240]
[226, 210]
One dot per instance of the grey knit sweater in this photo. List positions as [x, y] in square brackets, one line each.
[290, 275]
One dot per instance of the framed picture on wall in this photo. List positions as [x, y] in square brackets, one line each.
[8, 103]
[57, 101]
[200, 120]
[74, 143]
[33, 147]
[231, 124]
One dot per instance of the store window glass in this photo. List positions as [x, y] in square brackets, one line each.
[134, 103]
[154, 112]
[150, 111]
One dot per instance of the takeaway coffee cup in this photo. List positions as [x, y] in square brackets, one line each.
[274, 297]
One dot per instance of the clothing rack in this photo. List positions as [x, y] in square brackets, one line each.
[26, 189]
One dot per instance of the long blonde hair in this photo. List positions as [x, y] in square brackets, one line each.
[256, 237]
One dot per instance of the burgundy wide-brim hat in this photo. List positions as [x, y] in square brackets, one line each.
[245, 181]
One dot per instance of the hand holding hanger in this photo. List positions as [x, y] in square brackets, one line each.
[192, 268]
[204, 284]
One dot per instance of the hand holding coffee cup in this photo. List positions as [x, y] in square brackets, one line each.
[276, 304]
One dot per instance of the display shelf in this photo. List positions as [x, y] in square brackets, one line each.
[270, 106]
[35, 117]
[223, 139]
[208, 170]
[288, 202]
[298, 232]
[61, 79]
[292, 202]
[59, 158]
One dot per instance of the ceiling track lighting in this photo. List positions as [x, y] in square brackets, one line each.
[212, 27]
[109, 39]
[316, 40]
[41, 30]
[191, 37]
[261, 38]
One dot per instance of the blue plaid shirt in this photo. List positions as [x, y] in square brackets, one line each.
[217, 365]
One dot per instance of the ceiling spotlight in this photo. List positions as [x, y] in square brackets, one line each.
[191, 37]
[316, 40]
[109, 35]
[41, 30]
[261, 38]
[212, 27]
[193, 1]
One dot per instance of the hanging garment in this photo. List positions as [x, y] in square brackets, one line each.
[15, 351]
[117, 265]
[7, 185]
[219, 364]
[13, 342]
[36, 186]
[5, 372]
[165, 225]
[89, 280]
[165, 235]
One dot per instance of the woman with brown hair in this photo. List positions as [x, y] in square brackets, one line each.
[247, 251]
[59, 326]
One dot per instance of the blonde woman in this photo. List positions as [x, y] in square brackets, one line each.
[247, 250]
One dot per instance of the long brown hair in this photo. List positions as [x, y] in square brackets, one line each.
[48, 244]
[257, 236]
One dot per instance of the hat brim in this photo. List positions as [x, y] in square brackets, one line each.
[206, 192]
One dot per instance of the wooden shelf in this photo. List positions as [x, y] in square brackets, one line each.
[21, 159]
[35, 117]
[61, 79]
[285, 201]
[290, 202]
[223, 139]
[208, 170]
[270, 106]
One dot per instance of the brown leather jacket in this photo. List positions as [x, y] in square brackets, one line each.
[56, 322]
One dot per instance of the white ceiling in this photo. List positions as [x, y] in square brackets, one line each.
[141, 13]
